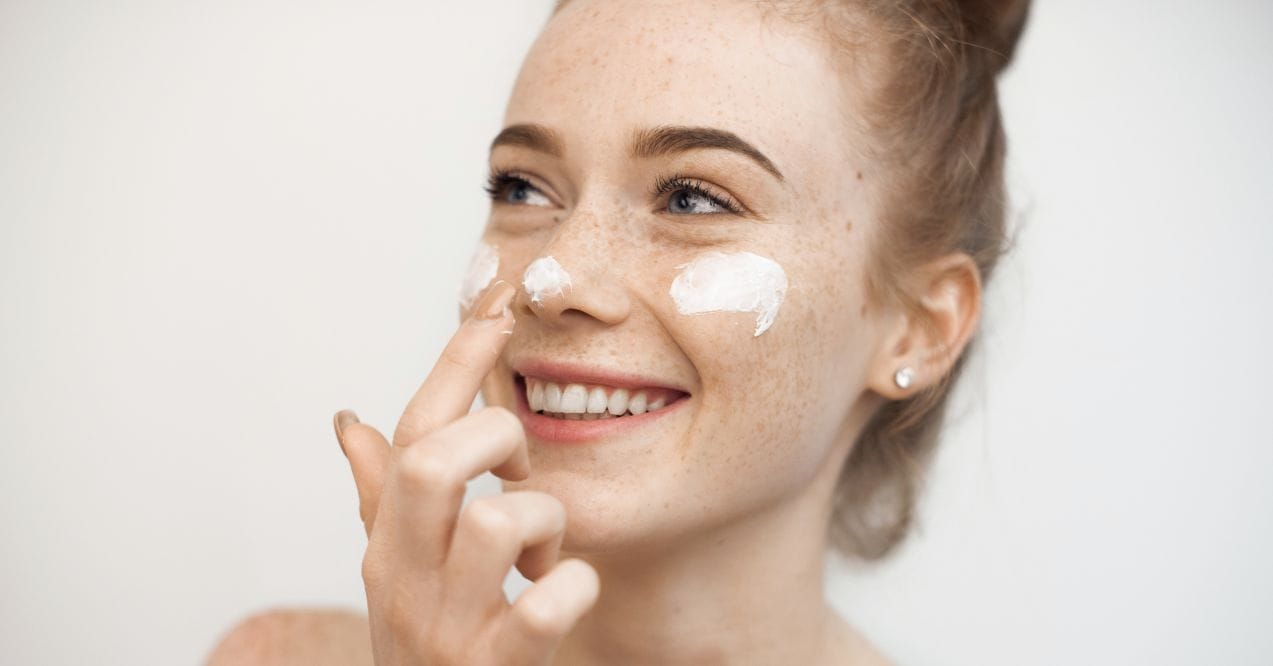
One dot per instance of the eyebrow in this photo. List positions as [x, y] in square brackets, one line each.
[669, 140]
[535, 137]
[654, 142]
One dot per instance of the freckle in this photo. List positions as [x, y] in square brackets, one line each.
[859, 175]
[557, 219]
[848, 226]
[862, 311]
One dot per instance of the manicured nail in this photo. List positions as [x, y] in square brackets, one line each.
[494, 304]
[343, 419]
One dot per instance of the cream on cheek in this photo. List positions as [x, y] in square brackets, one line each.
[544, 277]
[739, 282]
[482, 269]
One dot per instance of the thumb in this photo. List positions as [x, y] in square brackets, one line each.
[368, 454]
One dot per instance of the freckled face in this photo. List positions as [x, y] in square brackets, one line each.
[763, 414]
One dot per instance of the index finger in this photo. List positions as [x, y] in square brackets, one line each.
[448, 391]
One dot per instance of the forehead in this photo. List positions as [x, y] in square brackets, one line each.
[604, 68]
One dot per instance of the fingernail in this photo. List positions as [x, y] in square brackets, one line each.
[343, 419]
[494, 304]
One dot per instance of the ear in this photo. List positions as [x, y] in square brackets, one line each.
[947, 292]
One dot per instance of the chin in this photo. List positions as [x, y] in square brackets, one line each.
[602, 515]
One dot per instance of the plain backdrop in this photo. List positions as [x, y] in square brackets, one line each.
[220, 222]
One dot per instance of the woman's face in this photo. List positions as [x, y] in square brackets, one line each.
[648, 135]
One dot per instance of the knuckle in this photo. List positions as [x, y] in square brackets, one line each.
[372, 570]
[503, 418]
[412, 427]
[557, 510]
[456, 358]
[423, 469]
[489, 522]
[544, 503]
[551, 502]
[538, 617]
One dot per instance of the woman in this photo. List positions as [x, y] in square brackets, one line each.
[734, 259]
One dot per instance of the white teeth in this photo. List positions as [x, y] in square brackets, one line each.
[535, 396]
[552, 397]
[618, 403]
[578, 402]
[574, 399]
[597, 400]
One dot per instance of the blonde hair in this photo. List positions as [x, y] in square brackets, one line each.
[932, 111]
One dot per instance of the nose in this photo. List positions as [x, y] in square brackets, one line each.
[575, 280]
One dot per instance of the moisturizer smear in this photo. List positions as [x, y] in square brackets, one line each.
[482, 269]
[545, 277]
[741, 282]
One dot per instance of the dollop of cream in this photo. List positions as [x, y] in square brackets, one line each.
[544, 277]
[482, 269]
[739, 282]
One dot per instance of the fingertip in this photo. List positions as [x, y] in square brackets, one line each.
[555, 603]
[340, 421]
[494, 305]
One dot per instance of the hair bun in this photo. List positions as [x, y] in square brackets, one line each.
[995, 24]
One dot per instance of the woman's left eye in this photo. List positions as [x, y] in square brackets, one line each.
[689, 202]
[689, 197]
[515, 190]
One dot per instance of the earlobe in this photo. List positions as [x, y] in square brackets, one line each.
[895, 372]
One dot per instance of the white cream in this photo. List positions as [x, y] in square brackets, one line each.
[740, 282]
[482, 269]
[545, 277]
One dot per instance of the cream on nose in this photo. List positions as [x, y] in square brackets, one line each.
[545, 278]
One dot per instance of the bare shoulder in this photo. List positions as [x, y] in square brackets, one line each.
[283, 637]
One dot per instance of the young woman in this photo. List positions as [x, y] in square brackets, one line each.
[734, 259]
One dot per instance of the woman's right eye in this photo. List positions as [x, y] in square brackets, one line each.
[507, 188]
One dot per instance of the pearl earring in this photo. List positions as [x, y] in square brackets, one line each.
[903, 377]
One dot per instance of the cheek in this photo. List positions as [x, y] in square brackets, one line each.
[737, 282]
[773, 403]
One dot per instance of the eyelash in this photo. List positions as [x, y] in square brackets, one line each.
[499, 180]
[667, 185]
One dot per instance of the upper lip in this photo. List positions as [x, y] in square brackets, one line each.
[565, 372]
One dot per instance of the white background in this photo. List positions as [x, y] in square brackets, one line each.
[222, 222]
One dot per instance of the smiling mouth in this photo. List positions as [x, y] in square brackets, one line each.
[592, 402]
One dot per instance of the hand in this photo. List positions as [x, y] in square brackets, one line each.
[433, 573]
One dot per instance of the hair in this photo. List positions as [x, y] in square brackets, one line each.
[937, 141]
[932, 117]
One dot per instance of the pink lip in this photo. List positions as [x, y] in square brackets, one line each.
[563, 431]
[571, 373]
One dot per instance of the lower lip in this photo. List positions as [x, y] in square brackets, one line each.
[569, 431]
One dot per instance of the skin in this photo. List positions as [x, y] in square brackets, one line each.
[699, 538]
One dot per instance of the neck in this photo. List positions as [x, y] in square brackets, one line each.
[747, 592]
